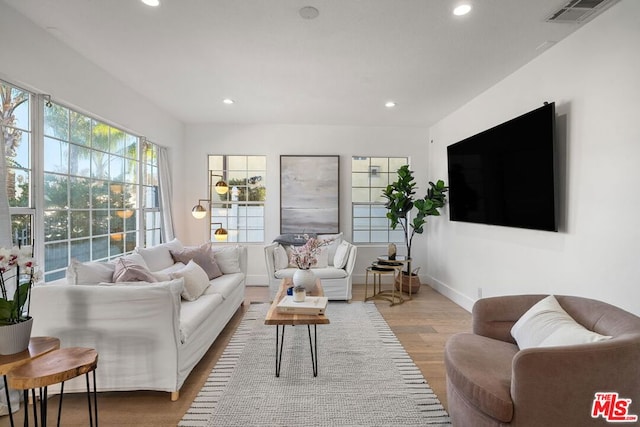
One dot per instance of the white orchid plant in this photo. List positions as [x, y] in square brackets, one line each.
[21, 260]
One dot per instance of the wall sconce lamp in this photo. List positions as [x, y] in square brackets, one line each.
[220, 234]
[221, 186]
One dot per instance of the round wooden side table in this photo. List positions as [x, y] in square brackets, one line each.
[56, 367]
[37, 347]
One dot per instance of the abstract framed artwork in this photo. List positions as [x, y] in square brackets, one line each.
[309, 194]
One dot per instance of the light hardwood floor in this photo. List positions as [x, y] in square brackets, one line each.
[422, 325]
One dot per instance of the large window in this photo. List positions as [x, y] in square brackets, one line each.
[99, 184]
[17, 141]
[91, 176]
[369, 176]
[241, 209]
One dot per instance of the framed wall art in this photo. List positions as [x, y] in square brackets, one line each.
[309, 194]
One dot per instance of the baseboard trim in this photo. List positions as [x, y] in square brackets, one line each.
[454, 295]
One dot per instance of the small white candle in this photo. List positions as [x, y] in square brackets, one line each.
[299, 294]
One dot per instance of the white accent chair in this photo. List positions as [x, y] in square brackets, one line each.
[336, 281]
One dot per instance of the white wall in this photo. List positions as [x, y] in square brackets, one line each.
[275, 140]
[593, 78]
[35, 60]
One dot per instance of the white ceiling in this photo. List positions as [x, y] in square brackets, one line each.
[186, 56]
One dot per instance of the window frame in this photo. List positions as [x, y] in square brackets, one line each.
[386, 174]
[35, 211]
[220, 206]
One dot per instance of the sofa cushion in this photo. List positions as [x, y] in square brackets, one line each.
[159, 257]
[129, 269]
[547, 324]
[280, 258]
[480, 370]
[228, 259]
[87, 273]
[342, 255]
[225, 284]
[321, 273]
[193, 313]
[195, 280]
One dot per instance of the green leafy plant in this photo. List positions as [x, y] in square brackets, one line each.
[401, 201]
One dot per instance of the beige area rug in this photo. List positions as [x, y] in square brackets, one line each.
[365, 377]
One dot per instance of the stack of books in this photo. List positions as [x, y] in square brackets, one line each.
[310, 305]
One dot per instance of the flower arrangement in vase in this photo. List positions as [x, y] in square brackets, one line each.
[15, 322]
[305, 257]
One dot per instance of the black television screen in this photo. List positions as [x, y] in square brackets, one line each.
[505, 175]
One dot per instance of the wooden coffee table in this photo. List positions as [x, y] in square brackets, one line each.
[283, 319]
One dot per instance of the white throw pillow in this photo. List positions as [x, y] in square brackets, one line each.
[228, 259]
[322, 259]
[280, 258]
[159, 257]
[342, 254]
[336, 239]
[289, 251]
[87, 273]
[195, 280]
[546, 324]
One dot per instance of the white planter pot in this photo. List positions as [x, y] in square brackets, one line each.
[15, 338]
[306, 279]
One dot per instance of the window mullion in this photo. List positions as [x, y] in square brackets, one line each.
[37, 179]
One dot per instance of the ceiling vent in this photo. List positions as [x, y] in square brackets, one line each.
[580, 11]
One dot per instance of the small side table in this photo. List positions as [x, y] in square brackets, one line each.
[37, 347]
[378, 271]
[56, 367]
[399, 261]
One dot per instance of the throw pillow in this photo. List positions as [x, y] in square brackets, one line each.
[228, 259]
[159, 257]
[322, 259]
[546, 324]
[195, 280]
[294, 239]
[87, 273]
[203, 256]
[128, 270]
[335, 240]
[289, 250]
[341, 256]
[280, 258]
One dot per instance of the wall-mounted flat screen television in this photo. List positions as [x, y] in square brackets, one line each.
[506, 175]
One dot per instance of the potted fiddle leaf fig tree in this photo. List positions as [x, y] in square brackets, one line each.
[401, 201]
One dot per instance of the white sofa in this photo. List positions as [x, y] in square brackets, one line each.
[148, 337]
[337, 281]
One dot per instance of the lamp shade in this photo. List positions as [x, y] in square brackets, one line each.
[198, 211]
[220, 234]
[221, 187]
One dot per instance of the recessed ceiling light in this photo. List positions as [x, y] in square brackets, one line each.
[389, 104]
[153, 3]
[462, 9]
[228, 101]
